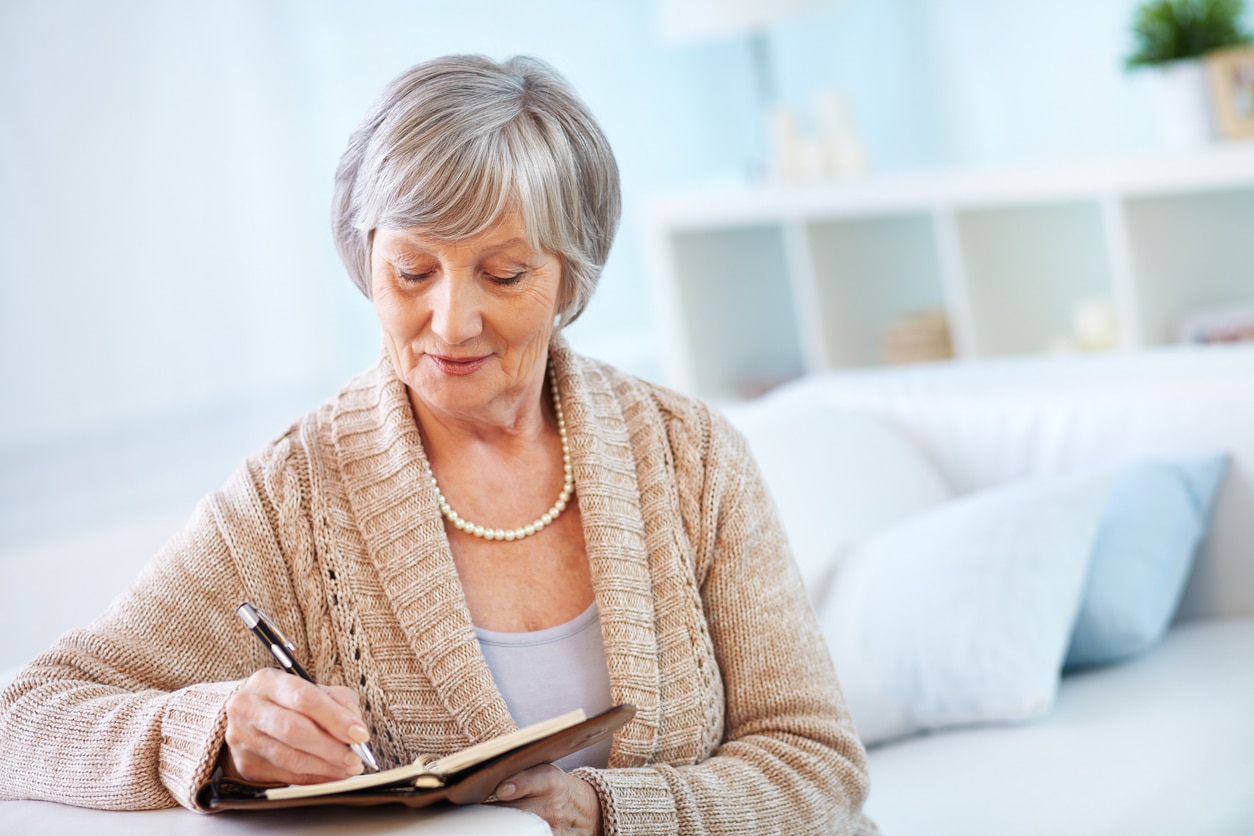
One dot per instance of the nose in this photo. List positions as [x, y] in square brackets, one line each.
[456, 312]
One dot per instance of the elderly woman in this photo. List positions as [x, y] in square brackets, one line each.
[482, 530]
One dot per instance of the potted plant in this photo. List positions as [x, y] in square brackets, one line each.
[1171, 37]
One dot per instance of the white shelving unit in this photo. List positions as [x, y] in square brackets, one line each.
[758, 286]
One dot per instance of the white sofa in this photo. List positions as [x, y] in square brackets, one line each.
[1161, 743]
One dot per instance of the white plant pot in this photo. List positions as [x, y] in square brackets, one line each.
[1180, 95]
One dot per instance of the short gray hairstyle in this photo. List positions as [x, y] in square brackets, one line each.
[455, 141]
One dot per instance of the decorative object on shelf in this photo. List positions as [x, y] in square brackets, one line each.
[1178, 91]
[1095, 327]
[844, 153]
[1232, 91]
[1234, 325]
[832, 151]
[1172, 37]
[919, 337]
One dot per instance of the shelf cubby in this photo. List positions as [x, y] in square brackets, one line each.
[1027, 268]
[867, 274]
[1191, 253]
[760, 285]
[739, 309]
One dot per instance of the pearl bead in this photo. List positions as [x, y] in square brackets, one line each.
[547, 518]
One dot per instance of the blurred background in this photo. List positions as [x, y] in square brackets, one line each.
[170, 297]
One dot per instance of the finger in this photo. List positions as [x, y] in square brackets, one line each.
[299, 732]
[346, 697]
[538, 780]
[271, 760]
[568, 804]
[340, 716]
[256, 725]
[341, 722]
[259, 757]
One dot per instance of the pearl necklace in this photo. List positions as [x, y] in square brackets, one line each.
[546, 519]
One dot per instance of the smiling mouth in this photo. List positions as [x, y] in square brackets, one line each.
[457, 365]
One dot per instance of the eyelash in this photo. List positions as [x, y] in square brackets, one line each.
[504, 281]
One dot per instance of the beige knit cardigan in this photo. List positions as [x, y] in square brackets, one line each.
[333, 529]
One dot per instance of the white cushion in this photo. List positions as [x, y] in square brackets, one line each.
[962, 614]
[1160, 745]
[987, 422]
[835, 474]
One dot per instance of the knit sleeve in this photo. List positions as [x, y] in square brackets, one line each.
[790, 760]
[129, 713]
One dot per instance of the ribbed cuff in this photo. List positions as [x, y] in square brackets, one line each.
[633, 801]
[192, 731]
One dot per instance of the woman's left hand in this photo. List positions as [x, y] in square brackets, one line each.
[569, 805]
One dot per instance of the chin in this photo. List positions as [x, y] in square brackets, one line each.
[448, 391]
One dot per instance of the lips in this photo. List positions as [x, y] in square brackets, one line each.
[458, 366]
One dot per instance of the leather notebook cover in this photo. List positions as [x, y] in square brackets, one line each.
[472, 786]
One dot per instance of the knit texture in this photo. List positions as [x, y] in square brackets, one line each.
[333, 529]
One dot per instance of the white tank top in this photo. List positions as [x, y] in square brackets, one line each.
[544, 673]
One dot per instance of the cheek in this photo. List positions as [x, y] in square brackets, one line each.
[527, 321]
[399, 316]
[536, 310]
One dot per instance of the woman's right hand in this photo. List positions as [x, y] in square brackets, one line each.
[282, 729]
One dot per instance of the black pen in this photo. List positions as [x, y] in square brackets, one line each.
[269, 634]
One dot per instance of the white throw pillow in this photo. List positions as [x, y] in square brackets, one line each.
[962, 615]
[835, 474]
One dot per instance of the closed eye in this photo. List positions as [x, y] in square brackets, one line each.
[413, 278]
[508, 280]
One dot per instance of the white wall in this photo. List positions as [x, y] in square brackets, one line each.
[169, 293]
[167, 180]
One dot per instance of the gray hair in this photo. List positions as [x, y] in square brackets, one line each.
[455, 141]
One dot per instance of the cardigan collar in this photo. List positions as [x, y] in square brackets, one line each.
[383, 466]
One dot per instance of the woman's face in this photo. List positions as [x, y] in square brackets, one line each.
[468, 322]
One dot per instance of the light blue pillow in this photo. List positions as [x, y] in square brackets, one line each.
[1156, 516]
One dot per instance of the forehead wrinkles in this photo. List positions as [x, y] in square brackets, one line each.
[403, 243]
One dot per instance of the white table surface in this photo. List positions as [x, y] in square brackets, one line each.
[40, 817]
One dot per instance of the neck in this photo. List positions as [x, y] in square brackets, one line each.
[496, 460]
[508, 423]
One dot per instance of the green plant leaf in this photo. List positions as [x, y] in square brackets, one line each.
[1168, 30]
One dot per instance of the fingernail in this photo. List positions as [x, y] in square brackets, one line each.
[353, 762]
[505, 791]
[358, 734]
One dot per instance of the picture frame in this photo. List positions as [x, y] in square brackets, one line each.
[1229, 325]
[1231, 74]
